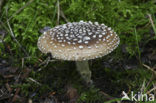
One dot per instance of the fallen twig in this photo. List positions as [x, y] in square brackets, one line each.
[149, 68]
[15, 95]
[151, 90]
[31, 79]
[151, 79]
[143, 86]
[106, 95]
[63, 16]
[2, 33]
[45, 63]
[30, 101]
[58, 12]
[153, 76]
[4, 94]
[152, 23]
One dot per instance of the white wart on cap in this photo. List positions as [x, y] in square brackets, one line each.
[78, 41]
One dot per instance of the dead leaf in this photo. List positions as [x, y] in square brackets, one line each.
[72, 94]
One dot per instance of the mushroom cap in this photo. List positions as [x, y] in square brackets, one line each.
[78, 41]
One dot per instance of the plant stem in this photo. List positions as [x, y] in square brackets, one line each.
[83, 68]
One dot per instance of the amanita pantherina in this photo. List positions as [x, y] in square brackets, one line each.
[79, 41]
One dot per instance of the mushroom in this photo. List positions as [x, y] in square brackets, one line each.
[80, 42]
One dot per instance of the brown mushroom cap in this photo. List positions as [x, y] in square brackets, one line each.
[78, 41]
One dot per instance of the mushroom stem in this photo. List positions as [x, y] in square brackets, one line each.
[83, 68]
